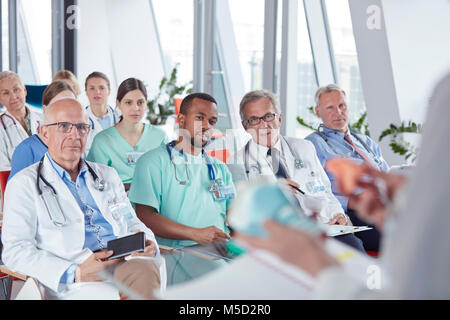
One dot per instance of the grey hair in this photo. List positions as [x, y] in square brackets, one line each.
[47, 109]
[256, 95]
[10, 75]
[326, 89]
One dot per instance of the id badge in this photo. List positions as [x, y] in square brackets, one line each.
[223, 193]
[132, 157]
[121, 211]
[315, 186]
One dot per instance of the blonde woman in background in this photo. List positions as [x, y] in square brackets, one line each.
[68, 76]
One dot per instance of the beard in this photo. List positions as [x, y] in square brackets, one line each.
[199, 144]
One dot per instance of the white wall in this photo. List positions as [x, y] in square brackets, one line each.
[418, 34]
[402, 53]
[118, 38]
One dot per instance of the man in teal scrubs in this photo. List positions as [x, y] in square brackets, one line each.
[181, 193]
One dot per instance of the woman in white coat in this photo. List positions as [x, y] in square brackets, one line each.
[101, 115]
[18, 122]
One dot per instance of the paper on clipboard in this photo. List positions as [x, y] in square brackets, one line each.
[338, 230]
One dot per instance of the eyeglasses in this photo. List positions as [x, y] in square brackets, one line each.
[268, 117]
[66, 127]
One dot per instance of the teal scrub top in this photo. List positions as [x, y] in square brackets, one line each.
[154, 185]
[111, 149]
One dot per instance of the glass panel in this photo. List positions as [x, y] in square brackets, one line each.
[34, 41]
[279, 43]
[249, 33]
[175, 22]
[345, 55]
[306, 76]
[220, 95]
[5, 36]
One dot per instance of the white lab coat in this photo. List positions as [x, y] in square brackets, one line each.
[312, 171]
[96, 127]
[34, 246]
[13, 134]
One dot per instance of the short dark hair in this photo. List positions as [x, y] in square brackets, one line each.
[187, 101]
[97, 74]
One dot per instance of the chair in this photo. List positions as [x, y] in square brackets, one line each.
[4, 272]
[4, 175]
[19, 282]
[34, 95]
[221, 154]
[29, 289]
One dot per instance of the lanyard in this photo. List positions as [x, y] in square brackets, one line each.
[211, 173]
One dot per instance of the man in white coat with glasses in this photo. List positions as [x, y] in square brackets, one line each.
[60, 213]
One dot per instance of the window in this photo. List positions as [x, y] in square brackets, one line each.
[175, 22]
[5, 36]
[306, 76]
[34, 41]
[345, 55]
[248, 25]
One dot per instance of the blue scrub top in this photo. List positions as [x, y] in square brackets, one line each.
[28, 152]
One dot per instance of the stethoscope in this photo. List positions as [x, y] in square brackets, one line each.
[211, 173]
[324, 137]
[298, 162]
[4, 126]
[113, 116]
[52, 203]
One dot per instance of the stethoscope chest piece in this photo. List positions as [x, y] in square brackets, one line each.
[100, 184]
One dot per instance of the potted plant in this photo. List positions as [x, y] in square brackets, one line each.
[398, 144]
[162, 105]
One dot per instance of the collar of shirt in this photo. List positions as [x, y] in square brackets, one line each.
[260, 149]
[63, 173]
[334, 133]
[92, 115]
[258, 155]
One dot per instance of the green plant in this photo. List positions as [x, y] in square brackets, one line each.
[360, 126]
[162, 105]
[397, 143]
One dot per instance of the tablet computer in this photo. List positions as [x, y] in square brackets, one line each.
[124, 246]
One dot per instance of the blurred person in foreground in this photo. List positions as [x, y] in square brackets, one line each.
[412, 214]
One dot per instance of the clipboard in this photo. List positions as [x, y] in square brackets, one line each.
[338, 230]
